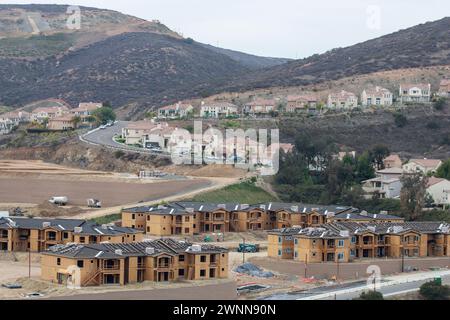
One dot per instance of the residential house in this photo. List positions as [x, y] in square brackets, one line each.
[162, 260]
[376, 96]
[218, 110]
[6, 126]
[36, 235]
[85, 110]
[392, 161]
[444, 88]
[177, 110]
[42, 114]
[422, 165]
[62, 123]
[15, 117]
[137, 132]
[260, 107]
[418, 93]
[301, 103]
[439, 190]
[342, 100]
[386, 184]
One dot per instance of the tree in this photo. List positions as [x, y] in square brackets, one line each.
[76, 121]
[444, 170]
[103, 115]
[364, 169]
[371, 295]
[400, 120]
[377, 154]
[440, 104]
[434, 291]
[412, 195]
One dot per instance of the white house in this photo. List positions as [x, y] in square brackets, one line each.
[386, 184]
[342, 100]
[422, 165]
[86, 109]
[218, 110]
[177, 110]
[439, 190]
[376, 96]
[42, 113]
[419, 93]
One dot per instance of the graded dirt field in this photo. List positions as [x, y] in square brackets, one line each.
[36, 190]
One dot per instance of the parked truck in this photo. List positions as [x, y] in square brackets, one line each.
[60, 201]
[94, 203]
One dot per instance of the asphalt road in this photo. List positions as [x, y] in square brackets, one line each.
[104, 137]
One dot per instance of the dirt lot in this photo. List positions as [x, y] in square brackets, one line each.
[36, 190]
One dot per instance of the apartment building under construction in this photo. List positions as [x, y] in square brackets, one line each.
[350, 240]
[36, 235]
[188, 218]
[160, 260]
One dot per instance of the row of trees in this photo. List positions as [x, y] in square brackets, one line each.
[313, 174]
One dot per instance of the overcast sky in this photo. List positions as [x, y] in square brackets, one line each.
[279, 28]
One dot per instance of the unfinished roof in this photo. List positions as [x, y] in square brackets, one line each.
[84, 227]
[138, 249]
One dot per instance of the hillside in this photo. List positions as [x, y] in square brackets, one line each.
[133, 63]
[420, 46]
[141, 67]
[248, 60]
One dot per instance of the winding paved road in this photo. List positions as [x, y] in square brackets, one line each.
[104, 137]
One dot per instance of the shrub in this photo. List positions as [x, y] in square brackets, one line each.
[434, 291]
[440, 104]
[119, 154]
[400, 120]
[371, 295]
[432, 125]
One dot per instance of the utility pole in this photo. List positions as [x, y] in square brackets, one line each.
[243, 252]
[306, 265]
[403, 260]
[29, 263]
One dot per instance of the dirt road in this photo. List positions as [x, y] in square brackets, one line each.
[188, 192]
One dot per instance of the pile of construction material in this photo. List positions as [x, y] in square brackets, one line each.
[253, 270]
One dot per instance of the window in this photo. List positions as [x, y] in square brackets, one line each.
[353, 239]
[340, 256]
[148, 218]
[181, 258]
[295, 241]
[80, 263]
[58, 261]
[180, 272]
[148, 229]
[202, 273]
[202, 258]
[65, 235]
[295, 254]
[82, 240]
[341, 243]
[133, 216]
[280, 239]
[279, 252]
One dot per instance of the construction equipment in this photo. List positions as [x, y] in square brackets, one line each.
[247, 247]
[94, 203]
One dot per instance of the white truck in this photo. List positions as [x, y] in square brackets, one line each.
[60, 201]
